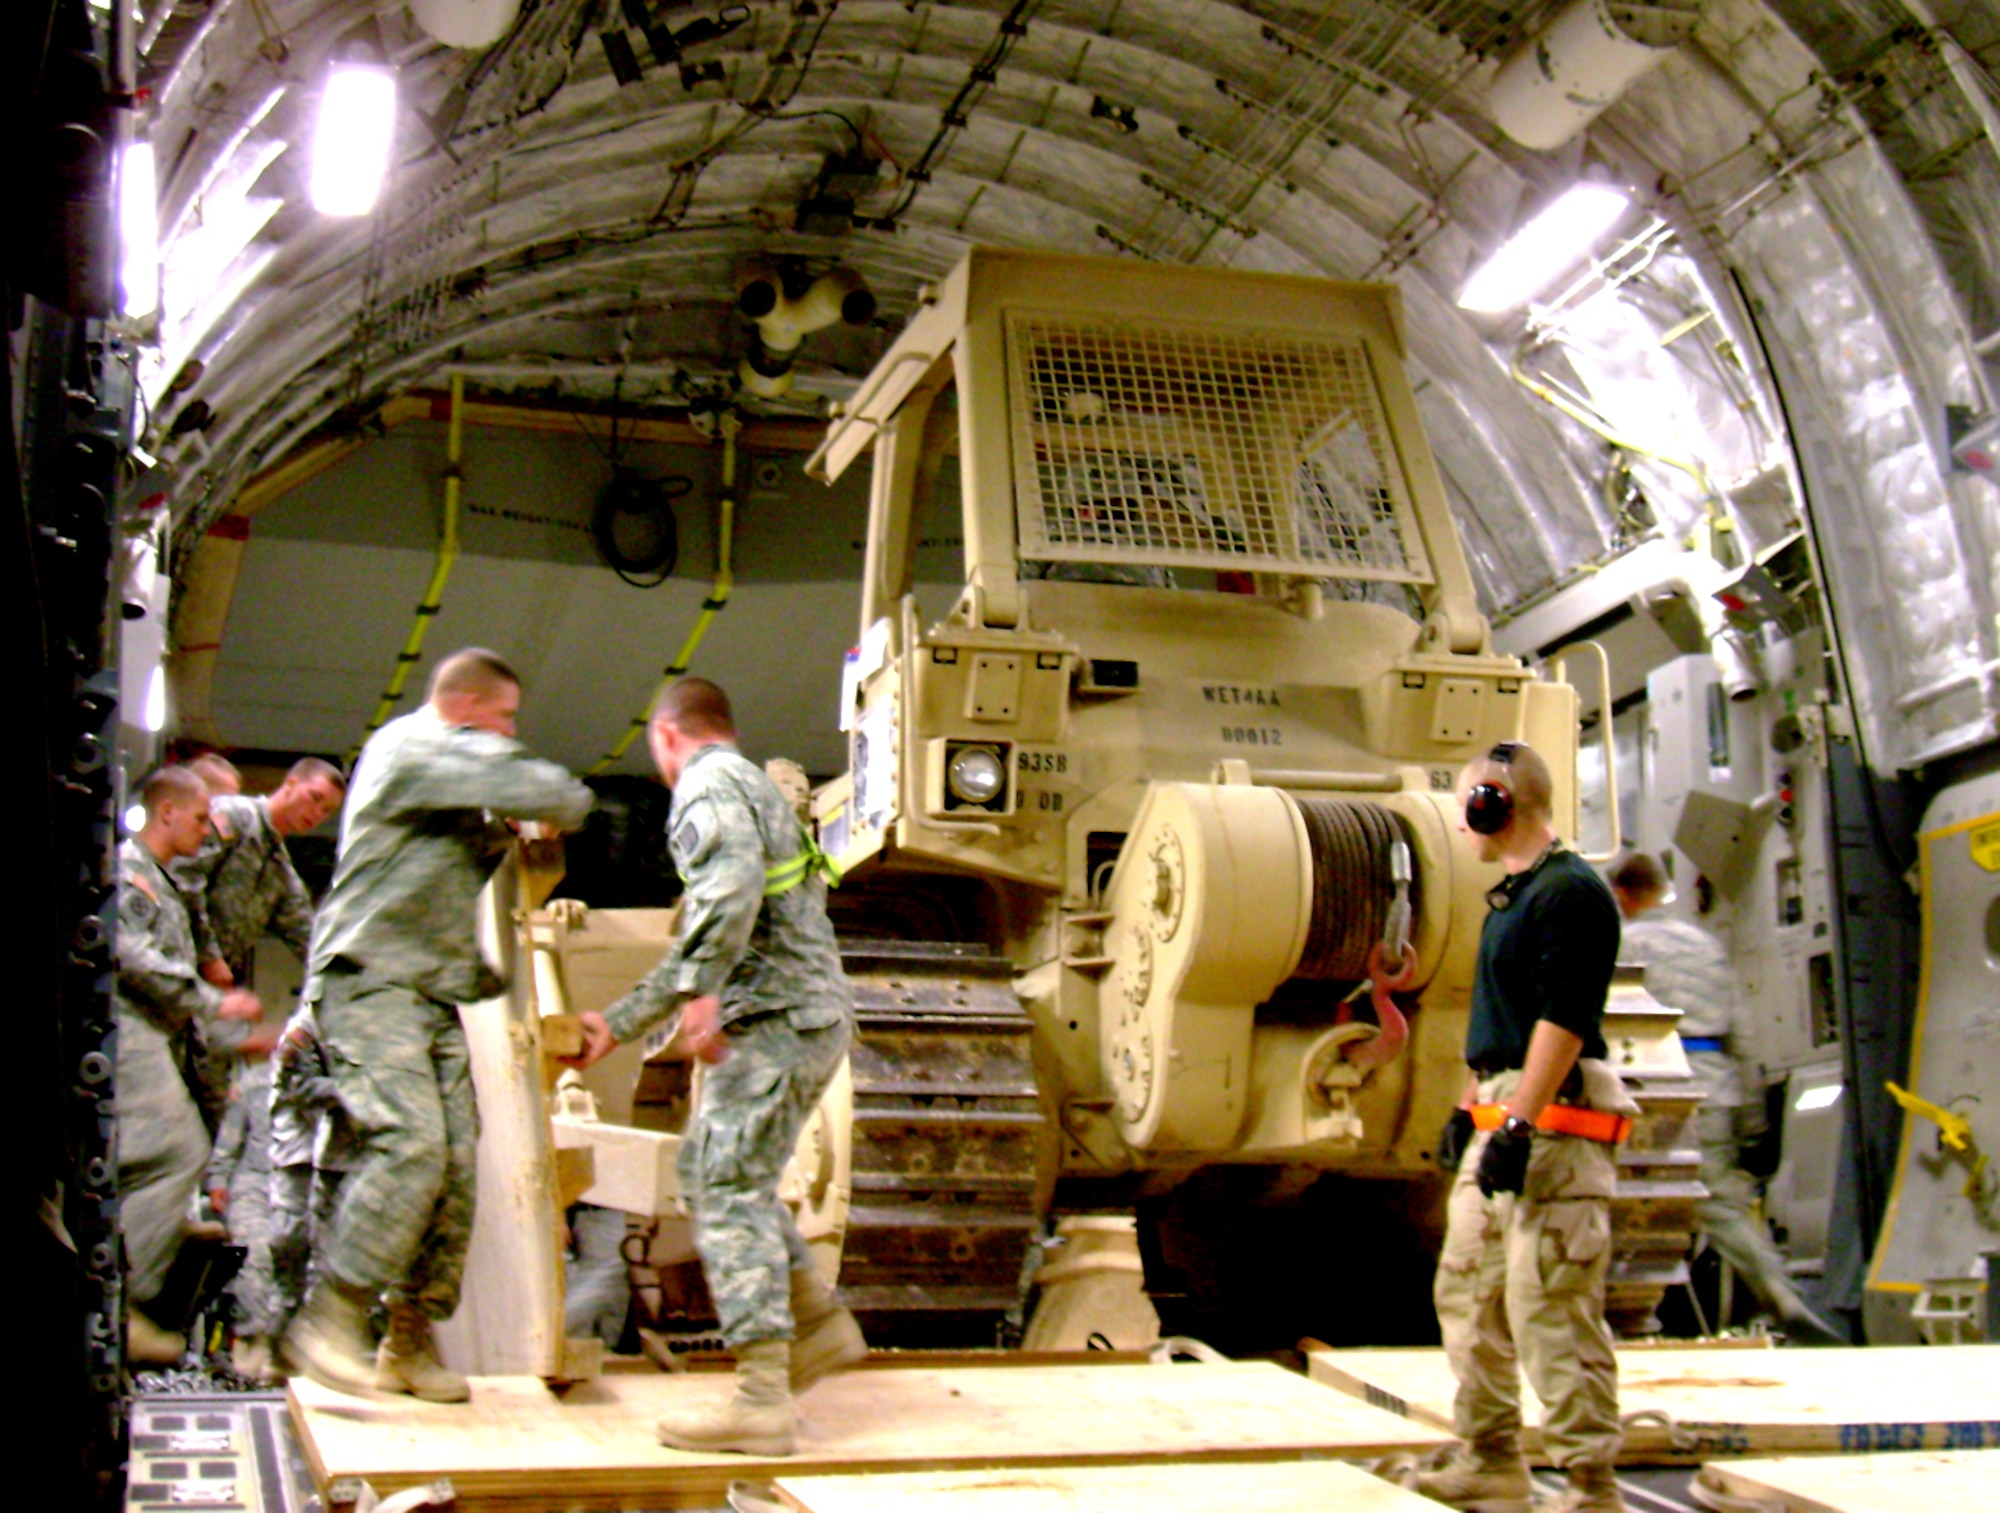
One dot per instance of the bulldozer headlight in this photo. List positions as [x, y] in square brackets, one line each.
[976, 776]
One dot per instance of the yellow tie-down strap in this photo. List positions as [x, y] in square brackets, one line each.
[1954, 1133]
[787, 875]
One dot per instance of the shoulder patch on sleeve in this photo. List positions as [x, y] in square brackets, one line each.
[140, 881]
[693, 833]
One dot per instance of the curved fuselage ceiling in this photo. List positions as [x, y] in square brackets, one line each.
[1767, 344]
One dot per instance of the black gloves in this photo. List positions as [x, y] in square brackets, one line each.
[1503, 1165]
[1453, 1139]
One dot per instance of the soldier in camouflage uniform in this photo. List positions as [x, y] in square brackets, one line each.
[308, 1159]
[1687, 969]
[755, 974]
[160, 1001]
[393, 955]
[238, 1183]
[240, 886]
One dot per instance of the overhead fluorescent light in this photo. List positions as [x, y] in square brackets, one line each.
[138, 231]
[1824, 1096]
[1544, 249]
[351, 140]
[155, 716]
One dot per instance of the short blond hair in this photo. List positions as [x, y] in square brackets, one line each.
[170, 785]
[217, 772]
[696, 707]
[473, 670]
[305, 769]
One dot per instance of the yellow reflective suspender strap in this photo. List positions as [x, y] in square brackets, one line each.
[787, 875]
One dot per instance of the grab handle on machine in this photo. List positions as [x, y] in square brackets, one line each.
[1560, 663]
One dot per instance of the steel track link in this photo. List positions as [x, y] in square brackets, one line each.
[948, 1139]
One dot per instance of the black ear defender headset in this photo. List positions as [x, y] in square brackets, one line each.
[1490, 805]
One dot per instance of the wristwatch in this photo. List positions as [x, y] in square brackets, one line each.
[1514, 1127]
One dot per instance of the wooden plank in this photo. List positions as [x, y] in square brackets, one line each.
[1269, 1487]
[1936, 1481]
[511, 1317]
[718, 1359]
[518, 1440]
[1702, 1404]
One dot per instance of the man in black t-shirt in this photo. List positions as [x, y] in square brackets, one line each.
[1528, 1231]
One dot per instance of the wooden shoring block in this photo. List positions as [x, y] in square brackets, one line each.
[632, 1170]
[562, 1036]
[517, 1442]
[1312, 1486]
[1933, 1481]
[576, 1172]
[1693, 1405]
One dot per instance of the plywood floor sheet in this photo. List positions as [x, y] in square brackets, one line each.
[1923, 1481]
[1700, 1404]
[516, 1442]
[1267, 1487]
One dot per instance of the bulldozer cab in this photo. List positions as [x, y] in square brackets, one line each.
[1134, 441]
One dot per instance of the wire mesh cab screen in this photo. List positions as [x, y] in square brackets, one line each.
[1203, 446]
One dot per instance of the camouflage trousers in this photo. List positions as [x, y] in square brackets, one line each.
[163, 1148]
[299, 1200]
[1728, 1216]
[249, 1217]
[751, 1109]
[596, 1292]
[404, 1107]
[1521, 1285]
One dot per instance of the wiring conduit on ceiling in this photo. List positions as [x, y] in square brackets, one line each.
[728, 424]
[1716, 518]
[447, 554]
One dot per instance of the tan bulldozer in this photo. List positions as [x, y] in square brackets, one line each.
[1156, 900]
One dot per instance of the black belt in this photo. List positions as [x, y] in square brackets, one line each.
[1572, 1084]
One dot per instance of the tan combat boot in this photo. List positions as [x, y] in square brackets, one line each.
[756, 1421]
[328, 1341]
[251, 1358]
[825, 1338]
[1486, 1476]
[147, 1344]
[408, 1362]
[1592, 1489]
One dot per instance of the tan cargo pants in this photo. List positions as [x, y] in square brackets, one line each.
[1522, 1280]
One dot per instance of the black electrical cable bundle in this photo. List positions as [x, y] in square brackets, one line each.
[635, 528]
